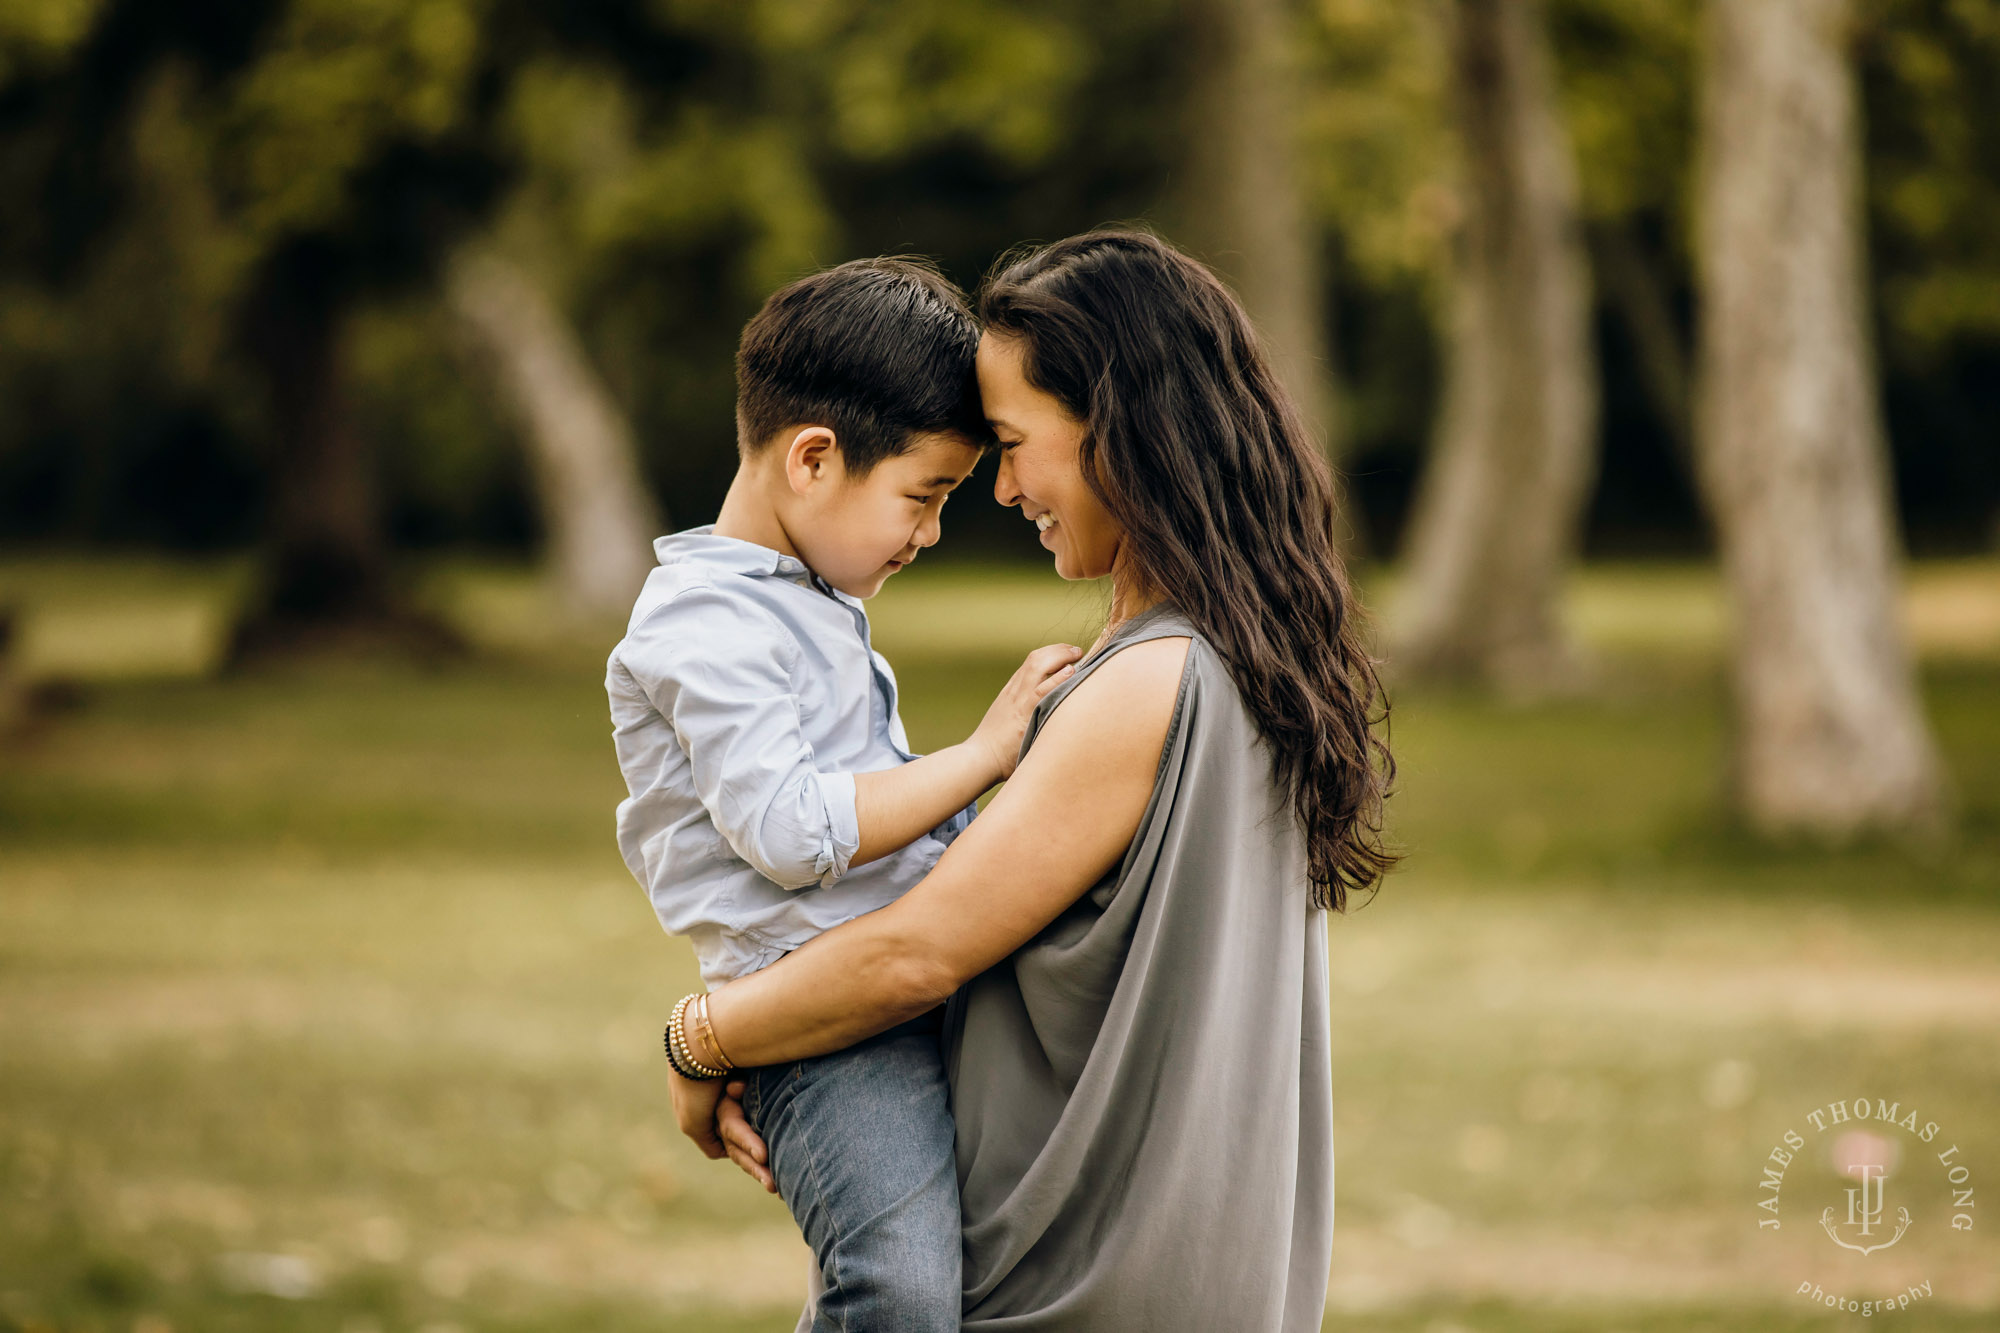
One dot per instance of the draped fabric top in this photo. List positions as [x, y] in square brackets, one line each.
[1143, 1091]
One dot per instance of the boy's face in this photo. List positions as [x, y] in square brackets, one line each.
[855, 532]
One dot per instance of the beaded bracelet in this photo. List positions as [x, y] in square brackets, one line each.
[678, 1054]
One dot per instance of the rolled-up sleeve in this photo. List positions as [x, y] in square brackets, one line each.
[719, 671]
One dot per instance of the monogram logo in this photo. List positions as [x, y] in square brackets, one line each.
[1864, 1212]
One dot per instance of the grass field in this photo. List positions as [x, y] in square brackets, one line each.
[328, 1003]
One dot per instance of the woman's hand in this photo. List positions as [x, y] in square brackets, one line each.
[712, 1115]
[746, 1149]
[694, 1111]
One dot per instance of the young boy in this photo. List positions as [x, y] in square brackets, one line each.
[773, 793]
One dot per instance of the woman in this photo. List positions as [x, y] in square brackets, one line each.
[1131, 936]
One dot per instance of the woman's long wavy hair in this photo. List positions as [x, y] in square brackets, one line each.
[1201, 456]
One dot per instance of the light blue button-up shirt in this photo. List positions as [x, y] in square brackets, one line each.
[745, 696]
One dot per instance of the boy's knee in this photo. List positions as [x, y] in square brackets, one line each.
[902, 1271]
[903, 1299]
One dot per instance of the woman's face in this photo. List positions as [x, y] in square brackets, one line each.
[1039, 472]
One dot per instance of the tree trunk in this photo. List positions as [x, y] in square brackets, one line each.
[326, 579]
[599, 517]
[1239, 201]
[1498, 519]
[1830, 737]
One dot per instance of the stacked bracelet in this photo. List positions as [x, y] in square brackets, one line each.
[678, 1054]
[704, 1032]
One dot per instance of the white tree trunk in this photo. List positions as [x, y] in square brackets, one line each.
[1498, 518]
[1240, 201]
[1830, 736]
[599, 517]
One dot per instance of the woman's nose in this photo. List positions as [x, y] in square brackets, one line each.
[1004, 489]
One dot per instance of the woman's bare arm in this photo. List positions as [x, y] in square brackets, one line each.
[894, 807]
[1064, 820]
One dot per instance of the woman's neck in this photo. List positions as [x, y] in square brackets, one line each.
[1131, 594]
[1129, 602]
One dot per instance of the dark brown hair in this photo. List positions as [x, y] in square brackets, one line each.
[1202, 458]
[875, 350]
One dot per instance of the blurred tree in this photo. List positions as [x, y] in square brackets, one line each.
[348, 161]
[319, 158]
[1497, 521]
[1830, 736]
[255, 169]
[327, 563]
[599, 517]
[1240, 198]
[1376, 135]
[658, 164]
[658, 201]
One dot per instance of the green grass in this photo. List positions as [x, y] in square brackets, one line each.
[328, 1004]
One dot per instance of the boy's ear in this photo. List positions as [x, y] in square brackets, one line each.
[812, 455]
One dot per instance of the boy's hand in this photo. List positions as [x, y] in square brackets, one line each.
[1000, 731]
[896, 806]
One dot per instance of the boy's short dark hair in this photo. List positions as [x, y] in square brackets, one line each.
[875, 350]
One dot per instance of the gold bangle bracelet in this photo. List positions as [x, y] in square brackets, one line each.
[705, 1030]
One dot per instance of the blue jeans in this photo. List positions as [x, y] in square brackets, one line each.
[861, 1144]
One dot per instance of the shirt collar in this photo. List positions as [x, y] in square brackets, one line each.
[700, 546]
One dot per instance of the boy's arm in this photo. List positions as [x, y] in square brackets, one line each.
[717, 671]
[897, 806]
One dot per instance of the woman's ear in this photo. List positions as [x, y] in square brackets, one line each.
[812, 456]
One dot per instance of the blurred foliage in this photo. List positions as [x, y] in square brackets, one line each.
[1377, 135]
[663, 163]
[32, 34]
[1935, 168]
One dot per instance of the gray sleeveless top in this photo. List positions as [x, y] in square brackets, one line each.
[1143, 1091]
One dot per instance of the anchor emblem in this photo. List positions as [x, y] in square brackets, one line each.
[1864, 1213]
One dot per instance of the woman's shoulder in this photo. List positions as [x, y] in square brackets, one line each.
[1102, 744]
[1139, 673]
[1131, 688]
[1162, 620]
